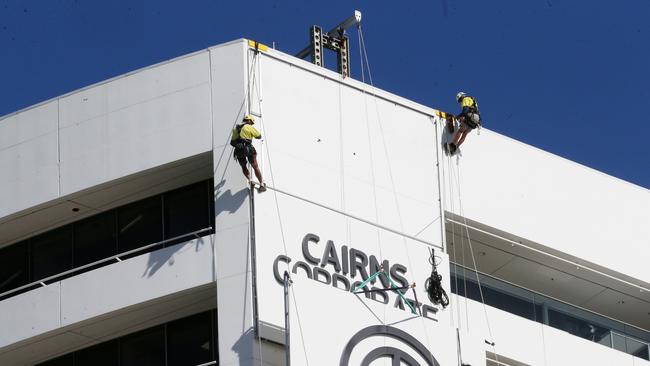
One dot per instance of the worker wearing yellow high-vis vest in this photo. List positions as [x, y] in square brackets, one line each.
[242, 140]
[469, 119]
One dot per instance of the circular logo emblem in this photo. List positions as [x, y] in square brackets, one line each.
[398, 356]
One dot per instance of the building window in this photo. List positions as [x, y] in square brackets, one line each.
[139, 224]
[576, 326]
[13, 267]
[51, 253]
[186, 210]
[136, 225]
[146, 348]
[103, 354]
[61, 361]
[95, 238]
[185, 342]
[189, 341]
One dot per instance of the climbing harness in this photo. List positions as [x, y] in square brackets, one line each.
[393, 287]
[433, 284]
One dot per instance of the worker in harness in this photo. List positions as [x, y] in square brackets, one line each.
[242, 140]
[469, 119]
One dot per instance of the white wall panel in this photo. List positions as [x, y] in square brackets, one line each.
[167, 118]
[136, 280]
[555, 202]
[334, 144]
[230, 65]
[301, 127]
[29, 158]
[29, 314]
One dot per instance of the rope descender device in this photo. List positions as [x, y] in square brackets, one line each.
[433, 284]
[393, 287]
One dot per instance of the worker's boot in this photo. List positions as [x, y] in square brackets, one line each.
[452, 148]
[262, 188]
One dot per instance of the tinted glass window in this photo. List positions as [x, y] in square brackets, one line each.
[13, 266]
[187, 210]
[103, 354]
[51, 253]
[189, 341]
[95, 238]
[146, 348]
[61, 361]
[211, 212]
[576, 326]
[139, 224]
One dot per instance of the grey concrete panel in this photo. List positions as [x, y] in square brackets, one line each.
[29, 314]
[237, 343]
[42, 349]
[145, 184]
[29, 158]
[155, 132]
[232, 255]
[548, 280]
[136, 280]
[40, 220]
[139, 87]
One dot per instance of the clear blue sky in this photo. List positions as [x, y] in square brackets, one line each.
[570, 77]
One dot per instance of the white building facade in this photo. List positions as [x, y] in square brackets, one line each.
[129, 236]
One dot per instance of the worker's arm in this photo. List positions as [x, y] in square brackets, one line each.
[250, 132]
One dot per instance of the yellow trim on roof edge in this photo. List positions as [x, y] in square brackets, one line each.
[258, 46]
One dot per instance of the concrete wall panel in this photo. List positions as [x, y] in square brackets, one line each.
[555, 202]
[346, 148]
[135, 123]
[30, 314]
[29, 158]
[148, 276]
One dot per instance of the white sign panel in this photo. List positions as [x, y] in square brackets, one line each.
[328, 255]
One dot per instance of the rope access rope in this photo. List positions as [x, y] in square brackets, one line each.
[370, 155]
[251, 79]
[478, 280]
[284, 242]
[390, 170]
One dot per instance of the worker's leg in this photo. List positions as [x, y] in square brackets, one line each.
[256, 168]
[244, 169]
[462, 138]
[460, 135]
[450, 125]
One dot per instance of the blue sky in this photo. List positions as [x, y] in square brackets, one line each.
[569, 77]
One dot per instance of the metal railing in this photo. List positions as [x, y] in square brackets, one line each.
[208, 363]
[613, 327]
[42, 282]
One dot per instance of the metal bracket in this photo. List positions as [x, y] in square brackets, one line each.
[335, 40]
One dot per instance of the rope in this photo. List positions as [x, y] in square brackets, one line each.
[462, 251]
[370, 155]
[478, 280]
[453, 238]
[248, 92]
[390, 170]
[284, 242]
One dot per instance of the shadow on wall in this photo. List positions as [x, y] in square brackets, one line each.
[244, 345]
[226, 201]
[159, 257]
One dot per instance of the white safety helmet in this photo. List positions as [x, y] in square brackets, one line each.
[459, 96]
